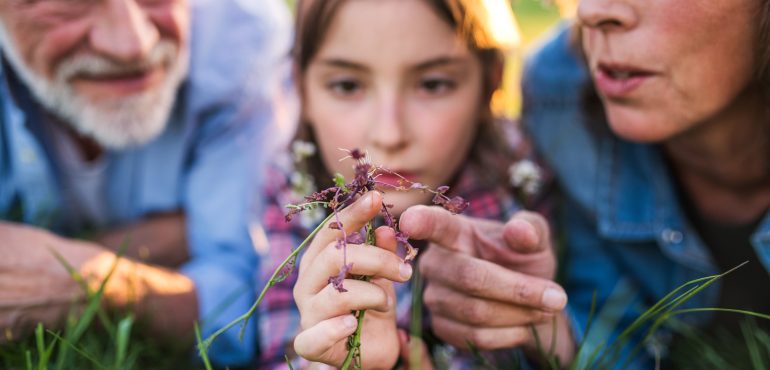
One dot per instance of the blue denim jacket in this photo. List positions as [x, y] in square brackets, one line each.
[627, 239]
[205, 163]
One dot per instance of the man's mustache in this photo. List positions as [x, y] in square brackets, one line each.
[164, 53]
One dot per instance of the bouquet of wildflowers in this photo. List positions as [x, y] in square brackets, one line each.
[334, 199]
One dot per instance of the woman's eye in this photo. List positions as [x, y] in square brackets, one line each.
[345, 87]
[437, 85]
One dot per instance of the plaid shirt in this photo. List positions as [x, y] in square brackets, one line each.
[279, 319]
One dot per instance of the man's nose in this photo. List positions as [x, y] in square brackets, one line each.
[123, 31]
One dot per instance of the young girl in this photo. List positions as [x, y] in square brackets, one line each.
[410, 83]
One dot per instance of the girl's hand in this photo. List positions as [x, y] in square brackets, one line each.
[326, 318]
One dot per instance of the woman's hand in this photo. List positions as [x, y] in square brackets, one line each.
[326, 318]
[489, 281]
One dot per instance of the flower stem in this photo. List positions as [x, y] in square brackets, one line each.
[203, 346]
[355, 342]
[354, 352]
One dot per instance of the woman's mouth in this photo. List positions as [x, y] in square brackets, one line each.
[619, 81]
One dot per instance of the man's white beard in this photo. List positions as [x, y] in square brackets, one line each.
[114, 123]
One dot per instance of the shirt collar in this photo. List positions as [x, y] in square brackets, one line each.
[635, 195]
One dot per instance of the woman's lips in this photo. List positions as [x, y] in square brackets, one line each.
[617, 81]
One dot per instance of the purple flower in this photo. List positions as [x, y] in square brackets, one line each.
[456, 205]
[355, 238]
[292, 212]
[337, 197]
[410, 252]
[418, 186]
[336, 281]
[341, 243]
[357, 154]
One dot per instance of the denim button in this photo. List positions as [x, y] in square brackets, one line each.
[672, 236]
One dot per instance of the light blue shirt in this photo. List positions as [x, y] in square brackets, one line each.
[205, 163]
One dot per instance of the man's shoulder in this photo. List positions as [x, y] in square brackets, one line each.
[233, 44]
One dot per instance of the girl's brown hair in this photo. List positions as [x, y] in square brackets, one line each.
[468, 18]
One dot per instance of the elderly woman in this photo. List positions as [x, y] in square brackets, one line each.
[658, 134]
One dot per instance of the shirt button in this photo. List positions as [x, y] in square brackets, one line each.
[28, 156]
[672, 236]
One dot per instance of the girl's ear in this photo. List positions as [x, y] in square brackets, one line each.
[495, 76]
[299, 86]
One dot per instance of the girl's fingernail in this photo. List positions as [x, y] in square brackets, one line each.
[349, 321]
[405, 270]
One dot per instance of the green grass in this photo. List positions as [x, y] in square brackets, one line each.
[93, 338]
[534, 18]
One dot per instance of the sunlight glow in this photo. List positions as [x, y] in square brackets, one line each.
[505, 30]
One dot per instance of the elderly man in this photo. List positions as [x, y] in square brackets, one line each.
[137, 121]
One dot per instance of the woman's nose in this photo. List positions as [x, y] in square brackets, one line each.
[607, 15]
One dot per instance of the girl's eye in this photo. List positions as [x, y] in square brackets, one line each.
[345, 87]
[437, 86]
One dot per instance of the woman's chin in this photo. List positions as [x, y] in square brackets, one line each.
[639, 126]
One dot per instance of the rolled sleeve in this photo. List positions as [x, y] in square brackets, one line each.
[232, 102]
[219, 199]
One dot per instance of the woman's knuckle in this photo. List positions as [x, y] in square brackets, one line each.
[471, 278]
[519, 336]
[475, 312]
[523, 292]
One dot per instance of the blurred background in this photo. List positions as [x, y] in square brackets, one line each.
[534, 18]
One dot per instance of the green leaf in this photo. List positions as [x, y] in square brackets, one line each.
[122, 340]
[203, 348]
[339, 180]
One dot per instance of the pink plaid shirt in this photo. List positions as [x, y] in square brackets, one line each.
[278, 315]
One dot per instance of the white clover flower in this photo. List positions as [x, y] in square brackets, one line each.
[311, 218]
[302, 149]
[297, 180]
[525, 175]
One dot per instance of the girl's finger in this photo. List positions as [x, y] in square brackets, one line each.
[366, 260]
[385, 238]
[352, 219]
[325, 341]
[361, 295]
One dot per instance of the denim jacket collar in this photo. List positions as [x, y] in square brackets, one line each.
[637, 202]
[634, 194]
